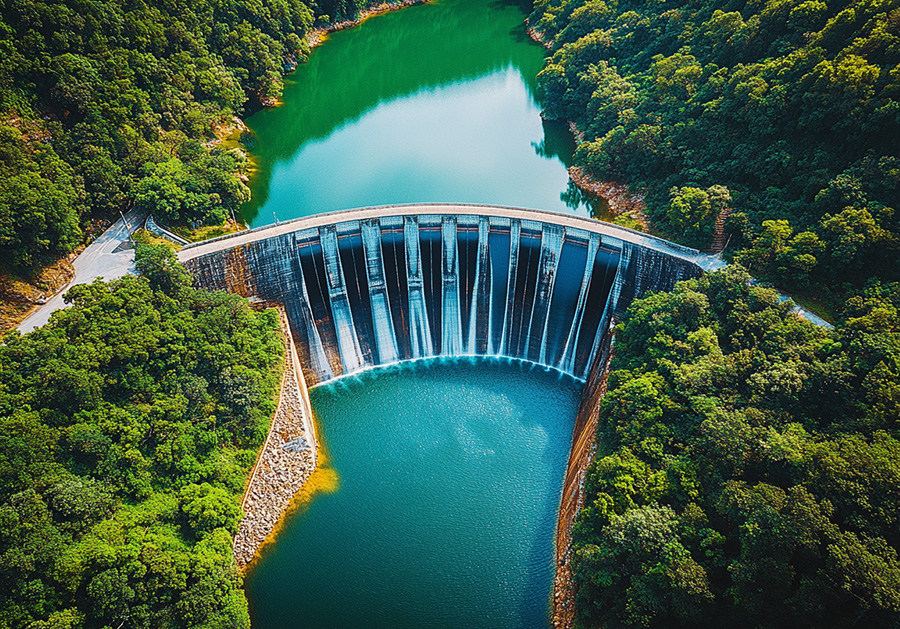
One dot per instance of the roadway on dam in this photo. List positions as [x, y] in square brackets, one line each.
[705, 261]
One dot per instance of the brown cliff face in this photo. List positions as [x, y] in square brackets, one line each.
[580, 457]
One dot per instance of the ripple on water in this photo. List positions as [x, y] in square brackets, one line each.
[450, 473]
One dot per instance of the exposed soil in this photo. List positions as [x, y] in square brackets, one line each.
[622, 202]
[20, 293]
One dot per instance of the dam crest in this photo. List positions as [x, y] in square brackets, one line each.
[374, 286]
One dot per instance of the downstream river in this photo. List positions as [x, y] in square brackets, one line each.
[442, 512]
[443, 476]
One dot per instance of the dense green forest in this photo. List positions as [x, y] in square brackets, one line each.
[747, 472]
[105, 104]
[128, 425]
[748, 467]
[785, 111]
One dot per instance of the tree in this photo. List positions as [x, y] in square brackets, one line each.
[159, 265]
[693, 211]
[207, 508]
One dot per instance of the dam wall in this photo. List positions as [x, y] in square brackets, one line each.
[371, 287]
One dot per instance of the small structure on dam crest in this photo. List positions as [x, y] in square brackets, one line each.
[375, 286]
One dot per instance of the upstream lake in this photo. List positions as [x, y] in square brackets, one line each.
[433, 103]
[443, 477]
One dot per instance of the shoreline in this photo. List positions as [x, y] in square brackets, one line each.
[287, 460]
[318, 36]
[584, 446]
[536, 35]
[621, 201]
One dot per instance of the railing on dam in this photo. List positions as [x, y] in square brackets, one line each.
[381, 285]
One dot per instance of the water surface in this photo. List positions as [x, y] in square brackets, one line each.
[446, 474]
[434, 103]
[450, 474]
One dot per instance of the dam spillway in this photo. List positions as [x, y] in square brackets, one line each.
[374, 286]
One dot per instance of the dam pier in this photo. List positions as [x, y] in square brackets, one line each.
[370, 287]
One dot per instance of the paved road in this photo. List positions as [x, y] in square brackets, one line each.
[97, 260]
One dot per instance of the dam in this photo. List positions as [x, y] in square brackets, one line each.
[395, 285]
[375, 286]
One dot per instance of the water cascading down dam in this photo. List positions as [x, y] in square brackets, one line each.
[371, 287]
[375, 286]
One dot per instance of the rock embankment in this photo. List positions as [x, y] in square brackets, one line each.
[287, 460]
[621, 201]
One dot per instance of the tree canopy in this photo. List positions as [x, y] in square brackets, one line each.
[124, 449]
[105, 104]
[788, 107]
[747, 471]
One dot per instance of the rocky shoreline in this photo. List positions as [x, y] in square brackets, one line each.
[223, 129]
[584, 447]
[622, 202]
[537, 36]
[287, 460]
[318, 35]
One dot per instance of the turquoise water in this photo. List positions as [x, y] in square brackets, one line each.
[443, 477]
[434, 103]
[446, 477]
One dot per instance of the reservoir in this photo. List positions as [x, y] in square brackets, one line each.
[433, 103]
[444, 475]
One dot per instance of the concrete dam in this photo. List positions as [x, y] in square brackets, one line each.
[374, 286]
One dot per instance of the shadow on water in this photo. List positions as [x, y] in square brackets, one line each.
[396, 55]
[550, 513]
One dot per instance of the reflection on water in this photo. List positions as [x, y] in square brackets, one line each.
[434, 103]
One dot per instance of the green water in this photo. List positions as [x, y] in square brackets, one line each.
[444, 476]
[445, 507]
[434, 103]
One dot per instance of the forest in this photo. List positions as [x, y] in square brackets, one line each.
[784, 112]
[747, 464]
[747, 467]
[128, 426]
[105, 105]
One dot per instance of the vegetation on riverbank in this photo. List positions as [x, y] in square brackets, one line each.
[128, 426]
[785, 111]
[747, 473]
[105, 105]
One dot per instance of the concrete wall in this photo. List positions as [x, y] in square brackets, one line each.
[380, 286]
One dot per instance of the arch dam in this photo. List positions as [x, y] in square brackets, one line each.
[374, 286]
